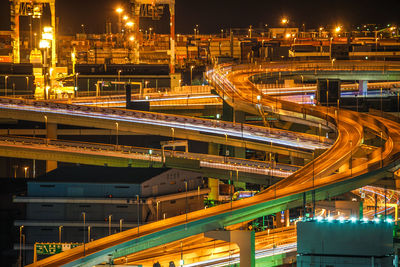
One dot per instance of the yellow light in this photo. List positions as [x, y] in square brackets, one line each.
[321, 28]
[338, 29]
[48, 29]
[125, 17]
[129, 24]
[288, 35]
[284, 21]
[47, 36]
[131, 38]
[44, 44]
[119, 10]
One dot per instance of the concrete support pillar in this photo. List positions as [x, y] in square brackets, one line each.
[244, 239]
[363, 88]
[296, 161]
[213, 184]
[289, 83]
[282, 219]
[213, 149]
[51, 134]
[175, 81]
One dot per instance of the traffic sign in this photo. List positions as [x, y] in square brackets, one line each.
[53, 248]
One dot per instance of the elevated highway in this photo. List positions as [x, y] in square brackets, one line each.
[250, 171]
[175, 126]
[318, 180]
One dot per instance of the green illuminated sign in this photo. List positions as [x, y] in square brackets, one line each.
[53, 248]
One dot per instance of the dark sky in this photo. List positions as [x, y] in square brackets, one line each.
[212, 15]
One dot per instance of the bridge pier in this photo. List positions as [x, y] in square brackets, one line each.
[244, 239]
[51, 133]
[213, 183]
[363, 88]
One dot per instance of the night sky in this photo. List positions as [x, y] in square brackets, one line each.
[212, 15]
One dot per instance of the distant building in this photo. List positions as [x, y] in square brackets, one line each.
[55, 202]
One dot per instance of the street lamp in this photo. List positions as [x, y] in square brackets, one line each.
[157, 207]
[59, 233]
[88, 234]
[120, 224]
[284, 21]
[119, 10]
[138, 212]
[186, 202]
[191, 74]
[26, 171]
[45, 45]
[84, 230]
[5, 81]
[116, 136]
[109, 224]
[20, 245]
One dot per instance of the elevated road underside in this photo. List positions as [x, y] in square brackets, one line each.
[320, 179]
[250, 171]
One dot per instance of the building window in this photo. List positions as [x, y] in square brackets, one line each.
[122, 206]
[172, 201]
[162, 183]
[84, 206]
[47, 205]
[146, 186]
[121, 186]
[172, 182]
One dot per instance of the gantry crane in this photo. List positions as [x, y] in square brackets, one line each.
[152, 8]
[32, 8]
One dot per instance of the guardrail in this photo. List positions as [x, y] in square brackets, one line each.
[157, 155]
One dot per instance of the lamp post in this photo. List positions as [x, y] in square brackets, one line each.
[5, 81]
[138, 214]
[45, 45]
[120, 224]
[88, 234]
[84, 232]
[109, 224]
[59, 233]
[26, 172]
[119, 10]
[186, 203]
[191, 75]
[117, 132]
[20, 245]
[157, 207]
